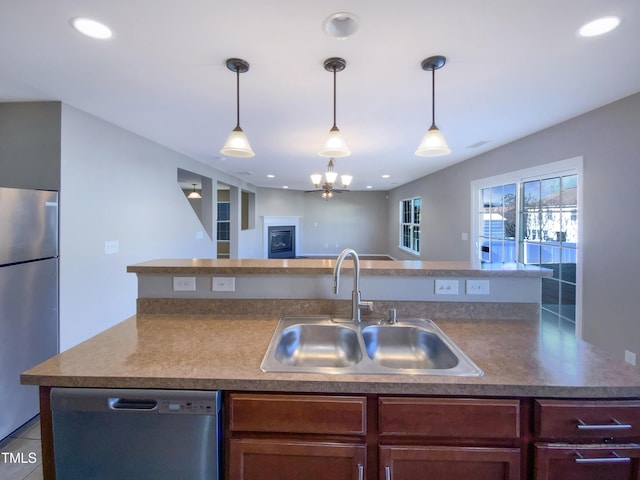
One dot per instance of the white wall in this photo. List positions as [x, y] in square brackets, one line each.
[116, 185]
[355, 220]
[608, 139]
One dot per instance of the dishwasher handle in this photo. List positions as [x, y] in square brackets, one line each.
[116, 403]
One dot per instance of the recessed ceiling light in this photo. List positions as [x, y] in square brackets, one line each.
[271, 175]
[599, 26]
[91, 28]
[285, 186]
[369, 187]
[386, 175]
[340, 25]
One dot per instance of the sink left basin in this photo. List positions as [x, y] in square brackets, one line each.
[321, 345]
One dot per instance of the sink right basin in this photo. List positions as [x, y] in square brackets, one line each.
[400, 346]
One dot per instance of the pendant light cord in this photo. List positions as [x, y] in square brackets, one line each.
[334, 97]
[237, 97]
[433, 97]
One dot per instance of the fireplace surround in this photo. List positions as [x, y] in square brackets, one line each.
[278, 223]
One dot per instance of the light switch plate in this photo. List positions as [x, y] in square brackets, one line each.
[111, 247]
[446, 287]
[223, 284]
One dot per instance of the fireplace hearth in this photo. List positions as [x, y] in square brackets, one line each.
[282, 241]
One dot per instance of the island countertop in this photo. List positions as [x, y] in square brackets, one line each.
[317, 266]
[519, 358]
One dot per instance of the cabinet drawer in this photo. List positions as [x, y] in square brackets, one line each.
[586, 462]
[589, 420]
[450, 418]
[339, 415]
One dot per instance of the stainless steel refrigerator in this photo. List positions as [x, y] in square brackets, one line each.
[28, 297]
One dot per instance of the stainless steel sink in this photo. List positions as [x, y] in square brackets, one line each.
[400, 346]
[326, 345]
[321, 345]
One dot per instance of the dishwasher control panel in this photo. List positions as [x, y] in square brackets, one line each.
[197, 407]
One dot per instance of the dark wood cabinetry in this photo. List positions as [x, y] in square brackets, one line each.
[586, 440]
[450, 438]
[449, 463]
[381, 437]
[289, 437]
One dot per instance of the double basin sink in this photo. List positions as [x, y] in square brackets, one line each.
[328, 345]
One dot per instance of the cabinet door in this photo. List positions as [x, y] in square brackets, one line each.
[449, 463]
[265, 459]
[586, 462]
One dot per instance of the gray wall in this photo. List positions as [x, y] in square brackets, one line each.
[609, 141]
[30, 145]
[355, 220]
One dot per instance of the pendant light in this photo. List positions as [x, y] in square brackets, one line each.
[195, 193]
[237, 144]
[335, 145]
[433, 144]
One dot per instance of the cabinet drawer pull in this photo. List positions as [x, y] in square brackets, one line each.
[360, 472]
[387, 472]
[616, 425]
[613, 459]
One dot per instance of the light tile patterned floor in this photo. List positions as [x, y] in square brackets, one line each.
[20, 454]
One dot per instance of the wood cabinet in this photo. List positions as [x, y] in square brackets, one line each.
[451, 462]
[450, 438]
[384, 437]
[586, 439]
[274, 459]
[289, 437]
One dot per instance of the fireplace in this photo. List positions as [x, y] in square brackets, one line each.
[282, 241]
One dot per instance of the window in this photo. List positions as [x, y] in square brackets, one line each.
[533, 217]
[497, 220]
[224, 223]
[410, 225]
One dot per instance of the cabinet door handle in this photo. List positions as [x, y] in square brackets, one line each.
[615, 458]
[616, 425]
[360, 472]
[387, 472]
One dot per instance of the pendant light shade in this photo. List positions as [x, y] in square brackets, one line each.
[335, 146]
[237, 144]
[195, 193]
[433, 143]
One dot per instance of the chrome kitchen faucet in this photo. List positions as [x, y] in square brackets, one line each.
[356, 303]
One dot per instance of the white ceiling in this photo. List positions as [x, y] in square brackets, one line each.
[513, 67]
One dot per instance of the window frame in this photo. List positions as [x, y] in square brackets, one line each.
[560, 168]
[412, 225]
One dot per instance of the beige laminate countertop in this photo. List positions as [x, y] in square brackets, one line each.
[309, 266]
[519, 358]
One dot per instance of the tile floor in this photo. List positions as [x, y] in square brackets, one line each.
[20, 453]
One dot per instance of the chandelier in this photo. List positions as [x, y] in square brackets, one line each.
[328, 184]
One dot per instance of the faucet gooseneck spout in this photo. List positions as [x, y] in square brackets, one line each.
[356, 303]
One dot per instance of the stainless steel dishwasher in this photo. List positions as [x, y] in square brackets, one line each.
[142, 434]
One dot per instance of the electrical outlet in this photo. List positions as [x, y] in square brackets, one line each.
[224, 284]
[111, 247]
[630, 357]
[184, 284]
[446, 287]
[477, 287]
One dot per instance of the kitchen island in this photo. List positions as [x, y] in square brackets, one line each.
[212, 342]
[525, 363]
